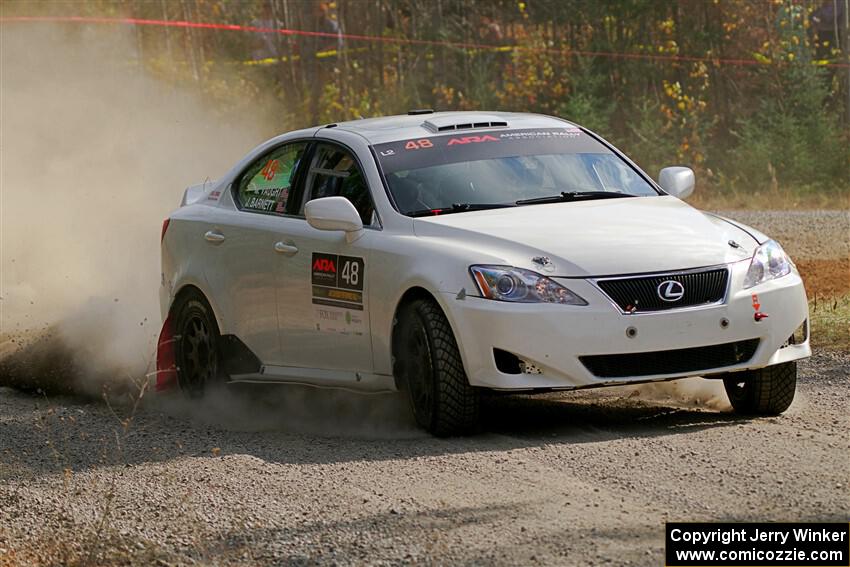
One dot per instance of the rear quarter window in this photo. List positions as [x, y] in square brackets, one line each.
[266, 185]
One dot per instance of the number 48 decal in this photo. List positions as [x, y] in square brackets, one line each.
[418, 144]
[351, 272]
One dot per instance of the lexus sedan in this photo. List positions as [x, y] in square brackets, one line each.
[449, 253]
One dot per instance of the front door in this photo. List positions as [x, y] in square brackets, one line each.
[323, 305]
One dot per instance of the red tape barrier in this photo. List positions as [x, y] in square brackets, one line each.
[401, 41]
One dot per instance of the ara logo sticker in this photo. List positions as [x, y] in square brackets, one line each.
[324, 269]
[324, 265]
[472, 140]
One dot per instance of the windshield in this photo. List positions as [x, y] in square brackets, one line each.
[456, 173]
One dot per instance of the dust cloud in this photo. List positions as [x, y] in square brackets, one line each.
[95, 153]
[688, 392]
[300, 410]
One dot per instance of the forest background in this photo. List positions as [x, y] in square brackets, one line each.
[752, 94]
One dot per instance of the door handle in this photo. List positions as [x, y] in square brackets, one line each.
[214, 236]
[285, 249]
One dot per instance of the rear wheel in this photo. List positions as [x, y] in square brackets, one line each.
[197, 341]
[429, 369]
[766, 391]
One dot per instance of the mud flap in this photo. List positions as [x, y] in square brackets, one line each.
[166, 363]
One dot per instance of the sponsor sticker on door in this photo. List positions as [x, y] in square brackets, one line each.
[338, 320]
[337, 293]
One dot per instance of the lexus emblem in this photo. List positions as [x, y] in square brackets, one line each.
[671, 290]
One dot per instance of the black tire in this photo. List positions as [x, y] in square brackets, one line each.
[197, 343]
[766, 391]
[429, 369]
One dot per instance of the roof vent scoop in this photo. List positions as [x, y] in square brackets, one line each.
[463, 122]
[418, 111]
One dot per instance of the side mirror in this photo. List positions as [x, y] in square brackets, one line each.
[678, 181]
[333, 213]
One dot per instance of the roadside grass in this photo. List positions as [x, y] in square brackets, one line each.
[73, 543]
[95, 540]
[830, 322]
[66, 548]
[717, 198]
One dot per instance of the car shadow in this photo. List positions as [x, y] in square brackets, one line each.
[292, 425]
[382, 530]
[587, 416]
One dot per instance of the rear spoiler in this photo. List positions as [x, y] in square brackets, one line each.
[195, 193]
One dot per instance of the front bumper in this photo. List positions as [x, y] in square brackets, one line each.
[550, 339]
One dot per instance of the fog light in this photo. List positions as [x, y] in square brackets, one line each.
[506, 362]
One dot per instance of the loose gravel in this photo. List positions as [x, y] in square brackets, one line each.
[566, 479]
[291, 476]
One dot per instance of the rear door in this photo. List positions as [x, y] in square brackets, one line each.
[323, 305]
[242, 265]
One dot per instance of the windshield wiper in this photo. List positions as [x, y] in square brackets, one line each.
[458, 208]
[567, 196]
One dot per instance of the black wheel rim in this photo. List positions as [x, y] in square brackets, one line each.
[198, 360]
[420, 373]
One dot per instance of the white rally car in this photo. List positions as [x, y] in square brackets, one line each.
[453, 252]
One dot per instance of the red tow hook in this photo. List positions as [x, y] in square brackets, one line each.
[758, 316]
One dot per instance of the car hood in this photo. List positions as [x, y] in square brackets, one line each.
[595, 238]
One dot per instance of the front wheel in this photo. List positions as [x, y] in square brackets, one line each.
[429, 368]
[766, 391]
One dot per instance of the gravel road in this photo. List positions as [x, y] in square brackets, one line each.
[809, 235]
[297, 476]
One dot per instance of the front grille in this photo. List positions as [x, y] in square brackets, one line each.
[670, 361]
[641, 293]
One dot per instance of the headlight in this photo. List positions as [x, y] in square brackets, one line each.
[768, 263]
[504, 283]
